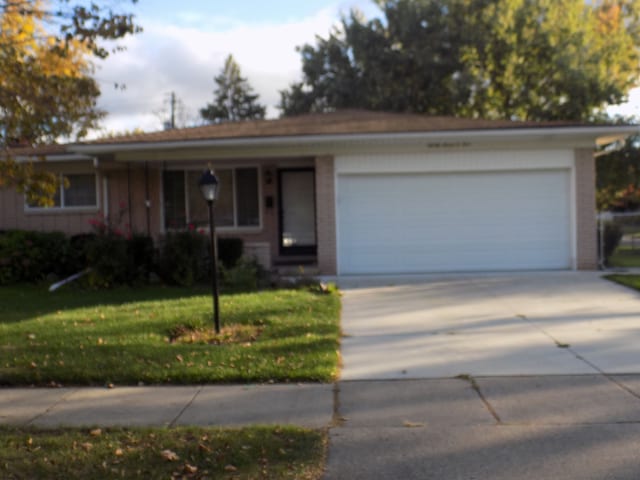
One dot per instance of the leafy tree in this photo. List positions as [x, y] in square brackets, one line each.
[618, 176]
[234, 99]
[47, 92]
[514, 59]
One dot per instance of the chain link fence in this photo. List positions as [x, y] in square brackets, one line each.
[619, 240]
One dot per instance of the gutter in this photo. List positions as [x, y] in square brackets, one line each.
[301, 140]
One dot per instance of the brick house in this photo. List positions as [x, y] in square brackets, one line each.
[348, 192]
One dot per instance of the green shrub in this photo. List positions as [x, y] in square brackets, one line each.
[230, 251]
[108, 258]
[183, 258]
[141, 258]
[27, 256]
[247, 274]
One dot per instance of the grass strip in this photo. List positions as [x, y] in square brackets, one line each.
[180, 453]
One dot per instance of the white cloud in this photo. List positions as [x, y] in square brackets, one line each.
[166, 58]
[630, 108]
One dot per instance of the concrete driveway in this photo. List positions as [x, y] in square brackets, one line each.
[559, 323]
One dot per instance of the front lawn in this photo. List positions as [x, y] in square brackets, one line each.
[159, 335]
[625, 256]
[202, 453]
[631, 281]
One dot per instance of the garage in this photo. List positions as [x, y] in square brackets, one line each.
[416, 222]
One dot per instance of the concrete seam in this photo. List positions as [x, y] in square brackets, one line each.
[184, 409]
[609, 377]
[487, 404]
[336, 419]
[49, 409]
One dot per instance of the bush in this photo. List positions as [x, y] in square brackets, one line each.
[183, 258]
[108, 258]
[230, 251]
[27, 256]
[247, 274]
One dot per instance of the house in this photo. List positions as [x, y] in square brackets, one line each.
[348, 192]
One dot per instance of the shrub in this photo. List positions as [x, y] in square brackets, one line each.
[183, 258]
[108, 258]
[247, 274]
[229, 251]
[27, 256]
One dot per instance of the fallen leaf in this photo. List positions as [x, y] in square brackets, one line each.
[32, 336]
[179, 358]
[34, 365]
[190, 468]
[230, 468]
[170, 456]
[409, 424]
[96, 432]
[87, 446]
[203, 447]
[118, 452]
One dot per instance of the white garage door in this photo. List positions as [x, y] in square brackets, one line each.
[490, 221]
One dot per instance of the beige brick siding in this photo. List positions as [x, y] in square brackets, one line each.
[586, 227]
[326, 215]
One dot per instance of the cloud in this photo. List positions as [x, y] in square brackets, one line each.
[184, 59]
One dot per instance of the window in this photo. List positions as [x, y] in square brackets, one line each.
[237, 205]
[80, 192]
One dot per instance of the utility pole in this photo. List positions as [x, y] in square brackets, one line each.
[173, 110]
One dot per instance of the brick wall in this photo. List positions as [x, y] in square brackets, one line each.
[326, 215]
[586, 227]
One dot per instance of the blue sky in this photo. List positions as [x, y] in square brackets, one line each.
[184, 45]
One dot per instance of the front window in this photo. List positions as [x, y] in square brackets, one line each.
[237, 204]
[79, 192]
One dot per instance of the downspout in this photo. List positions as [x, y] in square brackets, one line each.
[147, 201]
[129, 194]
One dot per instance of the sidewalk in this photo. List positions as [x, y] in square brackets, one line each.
[574, 427]
[308, 405]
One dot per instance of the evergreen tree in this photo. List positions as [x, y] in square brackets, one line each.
[234, 99]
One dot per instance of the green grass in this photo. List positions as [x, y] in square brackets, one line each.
[625, 257]
[631, 281]
[75, 337]
[255, 452]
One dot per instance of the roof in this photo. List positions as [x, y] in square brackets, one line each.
[346, 122]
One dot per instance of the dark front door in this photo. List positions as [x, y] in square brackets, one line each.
[297, 211]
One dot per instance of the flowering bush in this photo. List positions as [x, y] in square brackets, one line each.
[116, 255]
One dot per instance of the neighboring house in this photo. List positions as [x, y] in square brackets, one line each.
[349, 192]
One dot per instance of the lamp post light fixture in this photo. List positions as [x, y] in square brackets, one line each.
[209, 187]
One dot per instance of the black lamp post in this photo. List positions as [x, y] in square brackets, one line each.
[209, 187]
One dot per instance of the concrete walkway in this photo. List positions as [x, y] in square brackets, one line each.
[309, 405]
[499, 428]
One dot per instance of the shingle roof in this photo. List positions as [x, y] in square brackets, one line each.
[336, 123]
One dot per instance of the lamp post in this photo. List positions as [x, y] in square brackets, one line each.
[209, 187]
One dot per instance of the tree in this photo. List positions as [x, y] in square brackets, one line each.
[618, 176]
[511, 59]
[47, 92]
[234, 99]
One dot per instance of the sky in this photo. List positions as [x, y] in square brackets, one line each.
[185, 43]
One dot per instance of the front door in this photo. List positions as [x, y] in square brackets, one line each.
[297, 207]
